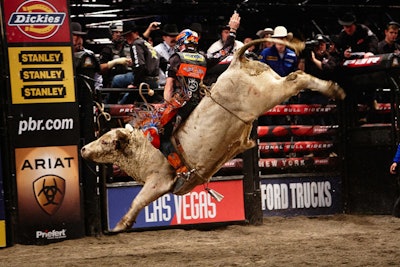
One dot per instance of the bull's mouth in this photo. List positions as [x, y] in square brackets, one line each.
[85, 154]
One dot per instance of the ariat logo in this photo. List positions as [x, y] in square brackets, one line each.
[37, 19]
[49, 192]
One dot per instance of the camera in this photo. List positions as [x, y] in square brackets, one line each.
[311, 43]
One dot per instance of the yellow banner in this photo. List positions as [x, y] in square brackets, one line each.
[2, 233]
[41, 75]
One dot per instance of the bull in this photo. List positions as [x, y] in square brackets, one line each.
[217, 130]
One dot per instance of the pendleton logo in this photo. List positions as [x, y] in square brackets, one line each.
[37, 19]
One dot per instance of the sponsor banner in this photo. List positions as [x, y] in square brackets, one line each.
[37, 21]
[45, 124]
[2, 206]
[41, 74]
[296, 130]
[49, 207]
[195, 207]
[300, 109]
[301, 196]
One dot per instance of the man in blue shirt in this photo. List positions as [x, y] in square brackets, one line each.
[393, 170]
[280, 58]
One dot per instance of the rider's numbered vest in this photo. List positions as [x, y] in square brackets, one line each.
[190, 74]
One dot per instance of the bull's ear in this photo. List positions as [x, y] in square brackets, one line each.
[122, 140]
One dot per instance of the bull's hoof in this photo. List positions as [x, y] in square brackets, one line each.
[179, 183]
[121, 227]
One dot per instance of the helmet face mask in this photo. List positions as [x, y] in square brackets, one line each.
[116, 26]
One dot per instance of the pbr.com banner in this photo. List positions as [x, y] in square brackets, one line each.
[34, 125]
[301, 196]
[195, 207]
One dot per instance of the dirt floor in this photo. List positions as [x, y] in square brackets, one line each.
[346, 240]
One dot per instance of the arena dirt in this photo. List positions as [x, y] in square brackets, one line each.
[339, 240]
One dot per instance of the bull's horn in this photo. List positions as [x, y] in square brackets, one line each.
[295, 44]
[129, 127]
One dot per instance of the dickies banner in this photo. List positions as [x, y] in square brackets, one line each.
[36, 21]
[195, 207]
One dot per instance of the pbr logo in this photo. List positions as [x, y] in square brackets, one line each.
[49, 192]
[37, 19]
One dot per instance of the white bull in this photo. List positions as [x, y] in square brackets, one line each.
[216, 131]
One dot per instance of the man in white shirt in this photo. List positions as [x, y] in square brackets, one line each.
[166, 49]
[219, 44]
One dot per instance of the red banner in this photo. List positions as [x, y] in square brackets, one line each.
[300, 109]
[300, 146]
[296, 130]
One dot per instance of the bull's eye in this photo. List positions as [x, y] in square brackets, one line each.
[103, 142]
[117, 144]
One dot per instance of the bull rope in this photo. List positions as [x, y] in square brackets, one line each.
[208, 93]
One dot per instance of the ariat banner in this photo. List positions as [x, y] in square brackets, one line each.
[48, 194]
[36, 21]
[41, 74]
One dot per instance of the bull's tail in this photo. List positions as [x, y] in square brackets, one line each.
[295, 44]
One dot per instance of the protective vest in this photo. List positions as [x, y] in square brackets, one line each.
[190, 74]
[86, 64]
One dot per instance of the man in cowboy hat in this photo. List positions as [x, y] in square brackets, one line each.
[145, 60]
[166, 49]
[115, 58]
[84, 60]
[356, 37]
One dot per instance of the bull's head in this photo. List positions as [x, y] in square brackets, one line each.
[109, 147]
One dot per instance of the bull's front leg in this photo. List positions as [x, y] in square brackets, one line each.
[154, 188]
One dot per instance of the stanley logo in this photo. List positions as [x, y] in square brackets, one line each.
[49, 192]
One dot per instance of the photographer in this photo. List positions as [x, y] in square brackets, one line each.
[321, 63]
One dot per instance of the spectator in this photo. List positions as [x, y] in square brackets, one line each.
[145, 60]
[283, 61]
[223, 49]
[196, 27]
[389, 44]
[86, 64]
[265, 33]
[250, 52]
[316, 56]
[356, 40]
[217, 46]
[394, 170]
[166, 49]
[280, 58]
[115, 58]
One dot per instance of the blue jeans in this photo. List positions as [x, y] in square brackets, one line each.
[119, 81]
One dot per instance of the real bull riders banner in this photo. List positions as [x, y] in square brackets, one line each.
[44, 124]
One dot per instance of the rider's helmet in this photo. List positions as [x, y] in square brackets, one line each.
[116, 26]
[187, 37]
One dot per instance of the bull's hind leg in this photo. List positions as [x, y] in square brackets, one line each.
[302, 80]
[154, 188]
